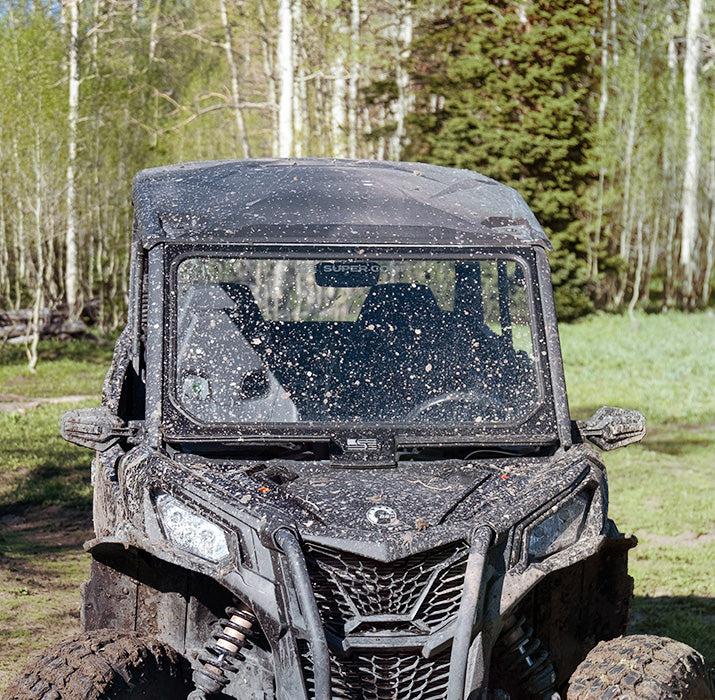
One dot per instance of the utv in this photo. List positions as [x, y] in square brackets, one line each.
[335, 457]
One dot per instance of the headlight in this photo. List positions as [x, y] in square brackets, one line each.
[190, 531]
[560, 529]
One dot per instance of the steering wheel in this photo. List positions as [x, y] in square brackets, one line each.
[452, 406]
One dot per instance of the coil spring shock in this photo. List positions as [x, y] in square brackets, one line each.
[524, 656]
[223, 653]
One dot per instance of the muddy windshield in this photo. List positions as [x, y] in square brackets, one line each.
[398, 341]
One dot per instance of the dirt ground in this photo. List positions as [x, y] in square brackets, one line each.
[21, 404]
[42, 566]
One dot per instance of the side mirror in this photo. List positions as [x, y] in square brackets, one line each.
[96, 428]
[610, 428]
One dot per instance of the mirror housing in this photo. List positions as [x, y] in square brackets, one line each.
[96, 428]
[610, 428]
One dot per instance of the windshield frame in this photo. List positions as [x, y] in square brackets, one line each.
[538, 426]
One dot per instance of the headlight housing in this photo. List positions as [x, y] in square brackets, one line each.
[560, 529]
[190, 531]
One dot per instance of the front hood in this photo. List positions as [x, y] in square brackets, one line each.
[383, 513]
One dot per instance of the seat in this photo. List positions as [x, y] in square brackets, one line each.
[400, 305]
[388, 365]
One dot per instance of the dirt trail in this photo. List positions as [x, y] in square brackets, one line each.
[42, 565]
[12, 402]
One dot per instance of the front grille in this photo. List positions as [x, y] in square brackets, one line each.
[424, 588]
[382, 676]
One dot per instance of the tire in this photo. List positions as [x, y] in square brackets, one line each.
[103, 665]
[641, 667]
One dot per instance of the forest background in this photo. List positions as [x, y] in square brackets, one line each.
[601, 113]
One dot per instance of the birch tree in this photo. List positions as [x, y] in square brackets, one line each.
[71, 245]
[285, 62]
[235, 94]
[692, 161]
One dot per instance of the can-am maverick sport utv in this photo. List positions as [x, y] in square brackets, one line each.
[334, 453]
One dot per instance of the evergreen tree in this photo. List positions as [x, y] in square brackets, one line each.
[503, 89]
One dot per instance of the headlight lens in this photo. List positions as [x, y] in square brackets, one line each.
[190, 531]
[560, 529]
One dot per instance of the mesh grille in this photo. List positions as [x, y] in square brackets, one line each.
[393, 676]
[425, 586]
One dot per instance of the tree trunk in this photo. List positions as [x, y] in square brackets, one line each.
[594, 248]
[628, 215]
[241, 138]
[404, 96]
[639, 269]
[72, 263]
[300, 97]
[354, 80]
[692, 161]
[285, 63]
[339, 98]
[34, 330]
[710, 246]
[269, 69]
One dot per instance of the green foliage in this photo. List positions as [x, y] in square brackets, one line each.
[512, 82]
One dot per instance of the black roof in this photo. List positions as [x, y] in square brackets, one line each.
[324, 202]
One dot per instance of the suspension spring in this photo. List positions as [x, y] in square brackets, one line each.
[223, 654]
[524, 656]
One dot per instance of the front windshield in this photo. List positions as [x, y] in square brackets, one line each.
[399, 341]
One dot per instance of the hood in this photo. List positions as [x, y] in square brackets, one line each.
[387, 513]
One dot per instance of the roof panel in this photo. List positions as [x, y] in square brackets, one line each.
[329, 202]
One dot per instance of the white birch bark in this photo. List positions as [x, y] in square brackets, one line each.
[352, 125]
[235, 94]
[71, 262]
[670, 150]
[692, 160]
[592, 263]
[710, 245]
[338, 112]
[153, 31]
[299, 90]
[269, 60]
[34, 329]
[628, 214]
[285, 64]
[404, 97]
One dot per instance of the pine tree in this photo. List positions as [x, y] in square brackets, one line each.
[504, 90]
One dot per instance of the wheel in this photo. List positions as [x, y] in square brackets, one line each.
[103, 665]
[459, 406]
[641, 666]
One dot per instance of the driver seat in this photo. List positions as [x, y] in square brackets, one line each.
[387, 367]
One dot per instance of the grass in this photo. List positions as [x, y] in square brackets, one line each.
[38, 466]
[70, 368]
[663, 365]
[662, 490]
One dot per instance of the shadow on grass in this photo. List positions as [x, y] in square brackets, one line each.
[688, 619]
[39, 467]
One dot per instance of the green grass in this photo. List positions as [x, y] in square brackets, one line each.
[662, 490]
[38, 466]
[663, 365]
[68, 368]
